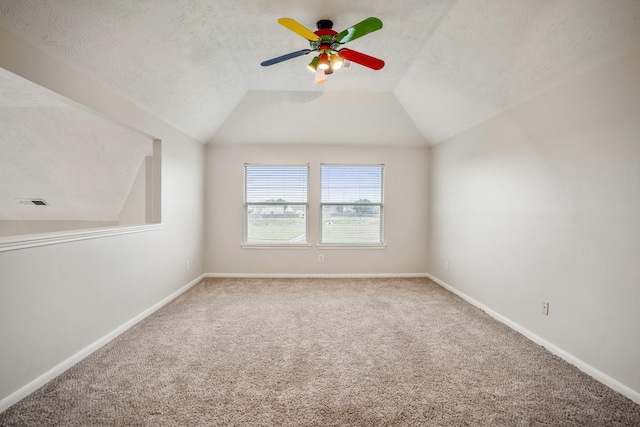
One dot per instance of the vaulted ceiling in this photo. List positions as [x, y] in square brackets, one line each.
[449, 64]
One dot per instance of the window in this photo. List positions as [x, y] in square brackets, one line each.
[276, 204]
[351, 204]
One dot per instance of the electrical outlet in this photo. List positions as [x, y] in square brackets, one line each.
[188, 265]
[545, 308]
[321, 258]
[446, 265]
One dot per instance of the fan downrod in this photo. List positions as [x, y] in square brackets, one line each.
[324, 24]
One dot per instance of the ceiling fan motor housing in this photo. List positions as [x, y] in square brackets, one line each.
[324, 23]
[326, 34]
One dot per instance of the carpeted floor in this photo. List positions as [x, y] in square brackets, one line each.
[322, 352]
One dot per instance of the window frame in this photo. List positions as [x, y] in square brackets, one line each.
[268, 244]
[354, 245]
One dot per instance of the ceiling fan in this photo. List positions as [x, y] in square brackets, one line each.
[327, 43]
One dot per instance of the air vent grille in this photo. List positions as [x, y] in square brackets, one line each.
[33, 202]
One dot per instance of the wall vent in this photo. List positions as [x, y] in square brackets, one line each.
[33, 202]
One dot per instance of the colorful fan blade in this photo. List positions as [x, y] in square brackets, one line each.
[362, 59]
[363, 28]
[285, 57]
[298, 28]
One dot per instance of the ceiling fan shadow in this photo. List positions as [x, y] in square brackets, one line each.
[303, 96]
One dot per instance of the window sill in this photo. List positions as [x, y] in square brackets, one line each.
[34, 240]
[275, 246]
[352, 246]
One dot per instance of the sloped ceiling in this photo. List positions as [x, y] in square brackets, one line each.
[449, 64]
[82, 165]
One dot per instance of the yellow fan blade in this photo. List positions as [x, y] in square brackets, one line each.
[298, 28]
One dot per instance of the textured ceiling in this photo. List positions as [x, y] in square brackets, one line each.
[449, 64]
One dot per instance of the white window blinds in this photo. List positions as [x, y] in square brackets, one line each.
[352, 204]
[276, 204]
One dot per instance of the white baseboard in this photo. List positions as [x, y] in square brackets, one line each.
[312, 275]
[60, 368]
[583, 366]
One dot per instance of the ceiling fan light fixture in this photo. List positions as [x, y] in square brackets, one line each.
[328, 45]
[313, 65]
[320, 77]
[336, 61]
[324, 63]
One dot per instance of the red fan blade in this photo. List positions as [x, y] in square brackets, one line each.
[362, 59]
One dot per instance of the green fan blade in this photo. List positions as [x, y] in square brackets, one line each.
[363, 28]
[298, 28]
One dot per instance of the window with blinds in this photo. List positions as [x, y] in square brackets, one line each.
[352, 204]
[276, 204]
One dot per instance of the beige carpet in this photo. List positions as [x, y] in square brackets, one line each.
[325, 352]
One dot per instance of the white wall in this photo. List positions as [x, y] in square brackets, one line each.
[542, 203]
[405, 212]
[56, 300]
[17, 227]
